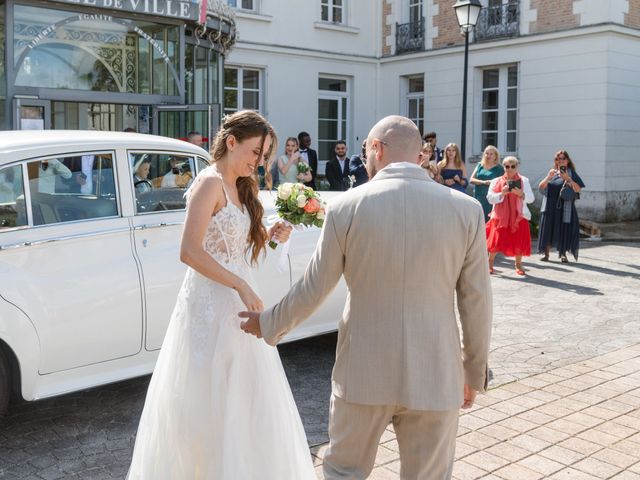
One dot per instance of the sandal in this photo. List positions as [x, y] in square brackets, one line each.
[544, 258]
[491, 270]
[519, 270]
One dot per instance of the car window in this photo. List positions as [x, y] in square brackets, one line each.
[71, 188]
[202, 164]
[12, 206]
[160, 180]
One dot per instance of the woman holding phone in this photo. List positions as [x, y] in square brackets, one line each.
[508, 226]
[559, 225]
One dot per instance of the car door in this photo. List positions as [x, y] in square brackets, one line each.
[70, 268]
[157, 223]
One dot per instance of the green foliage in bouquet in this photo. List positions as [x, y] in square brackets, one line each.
[299, 205]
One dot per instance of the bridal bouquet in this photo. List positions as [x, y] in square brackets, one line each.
[299, 205]
[303, 167]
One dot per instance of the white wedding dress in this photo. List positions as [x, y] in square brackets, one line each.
[219, 406]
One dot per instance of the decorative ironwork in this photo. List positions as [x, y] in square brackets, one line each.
[499, 21]
[410, 36]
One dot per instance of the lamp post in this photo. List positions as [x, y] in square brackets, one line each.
[467, 12]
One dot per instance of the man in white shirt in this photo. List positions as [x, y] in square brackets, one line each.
[47, 173]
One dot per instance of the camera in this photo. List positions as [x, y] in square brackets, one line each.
[514, 184]
[175, 170]
[563, 169]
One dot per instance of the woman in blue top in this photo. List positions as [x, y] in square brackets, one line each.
[452, 169]
[488, 169]
[559, 227]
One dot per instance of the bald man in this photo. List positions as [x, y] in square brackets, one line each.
[412, 248]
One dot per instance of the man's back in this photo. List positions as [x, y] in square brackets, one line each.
[405, 241]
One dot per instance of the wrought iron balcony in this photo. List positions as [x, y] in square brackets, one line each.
[499, 22]
[410, 36]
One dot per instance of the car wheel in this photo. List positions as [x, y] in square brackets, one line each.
[5, 383]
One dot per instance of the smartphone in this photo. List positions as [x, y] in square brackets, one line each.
[563, 169]
[83, 176]
[175, 170]
[514, 184]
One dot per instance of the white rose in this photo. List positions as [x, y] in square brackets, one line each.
[284, 191]
[320, 214]
[301, 201]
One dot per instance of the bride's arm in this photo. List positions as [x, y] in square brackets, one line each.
[207, 198]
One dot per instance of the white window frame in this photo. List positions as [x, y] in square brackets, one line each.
[330, 4]
[409, 96]
[333, 95]
[254, 5]
[503, 77]
[240, 88]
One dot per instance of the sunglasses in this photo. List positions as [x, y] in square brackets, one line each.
[561, 158]
[510, 166]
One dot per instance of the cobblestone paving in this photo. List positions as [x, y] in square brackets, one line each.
[560, 314]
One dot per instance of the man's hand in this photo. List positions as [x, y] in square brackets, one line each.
[252, 325]
[469, 396]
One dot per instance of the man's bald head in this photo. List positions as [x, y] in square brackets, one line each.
[400, 139]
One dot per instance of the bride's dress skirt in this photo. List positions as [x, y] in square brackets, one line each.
[219, 406]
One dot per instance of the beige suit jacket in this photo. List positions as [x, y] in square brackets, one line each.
[408, 248]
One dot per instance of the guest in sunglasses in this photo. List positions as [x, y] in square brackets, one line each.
[559, 226]
[508, 225]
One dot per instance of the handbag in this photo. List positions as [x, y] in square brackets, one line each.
[567, 194]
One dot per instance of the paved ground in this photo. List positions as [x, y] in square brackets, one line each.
[564, 402]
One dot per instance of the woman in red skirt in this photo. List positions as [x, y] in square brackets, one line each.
[508, 225]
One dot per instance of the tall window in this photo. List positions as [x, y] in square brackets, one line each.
[333, 118]
[499, 122]
[415, 11]
[415, 100]
[332, 11]
[242, 89]
[243, 4]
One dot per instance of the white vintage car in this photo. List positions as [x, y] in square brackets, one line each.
[90, 224]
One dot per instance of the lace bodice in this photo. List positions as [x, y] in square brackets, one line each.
[227, 234]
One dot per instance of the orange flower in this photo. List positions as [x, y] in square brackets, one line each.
[312, 206]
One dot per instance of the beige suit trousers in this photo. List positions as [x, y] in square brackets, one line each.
[426, 440]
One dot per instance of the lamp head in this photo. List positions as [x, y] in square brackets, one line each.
[467, 12]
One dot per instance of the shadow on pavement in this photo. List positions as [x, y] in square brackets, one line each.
[546, 282]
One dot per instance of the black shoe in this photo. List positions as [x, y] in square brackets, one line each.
[564, 259]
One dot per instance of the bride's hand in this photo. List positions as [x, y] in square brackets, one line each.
[249, 298]
[280, 232]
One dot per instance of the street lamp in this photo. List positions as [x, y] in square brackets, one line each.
[467, 12]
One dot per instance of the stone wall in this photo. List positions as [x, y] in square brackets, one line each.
[553, 15]
[387, 38]
[632, 19]
[447, 24]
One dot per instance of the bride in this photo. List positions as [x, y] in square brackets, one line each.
[219, 406]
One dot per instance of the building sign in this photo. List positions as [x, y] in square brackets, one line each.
[180, 9]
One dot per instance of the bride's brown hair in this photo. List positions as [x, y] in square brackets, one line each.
[243, 125]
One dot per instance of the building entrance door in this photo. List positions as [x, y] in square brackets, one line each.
[176, 121]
